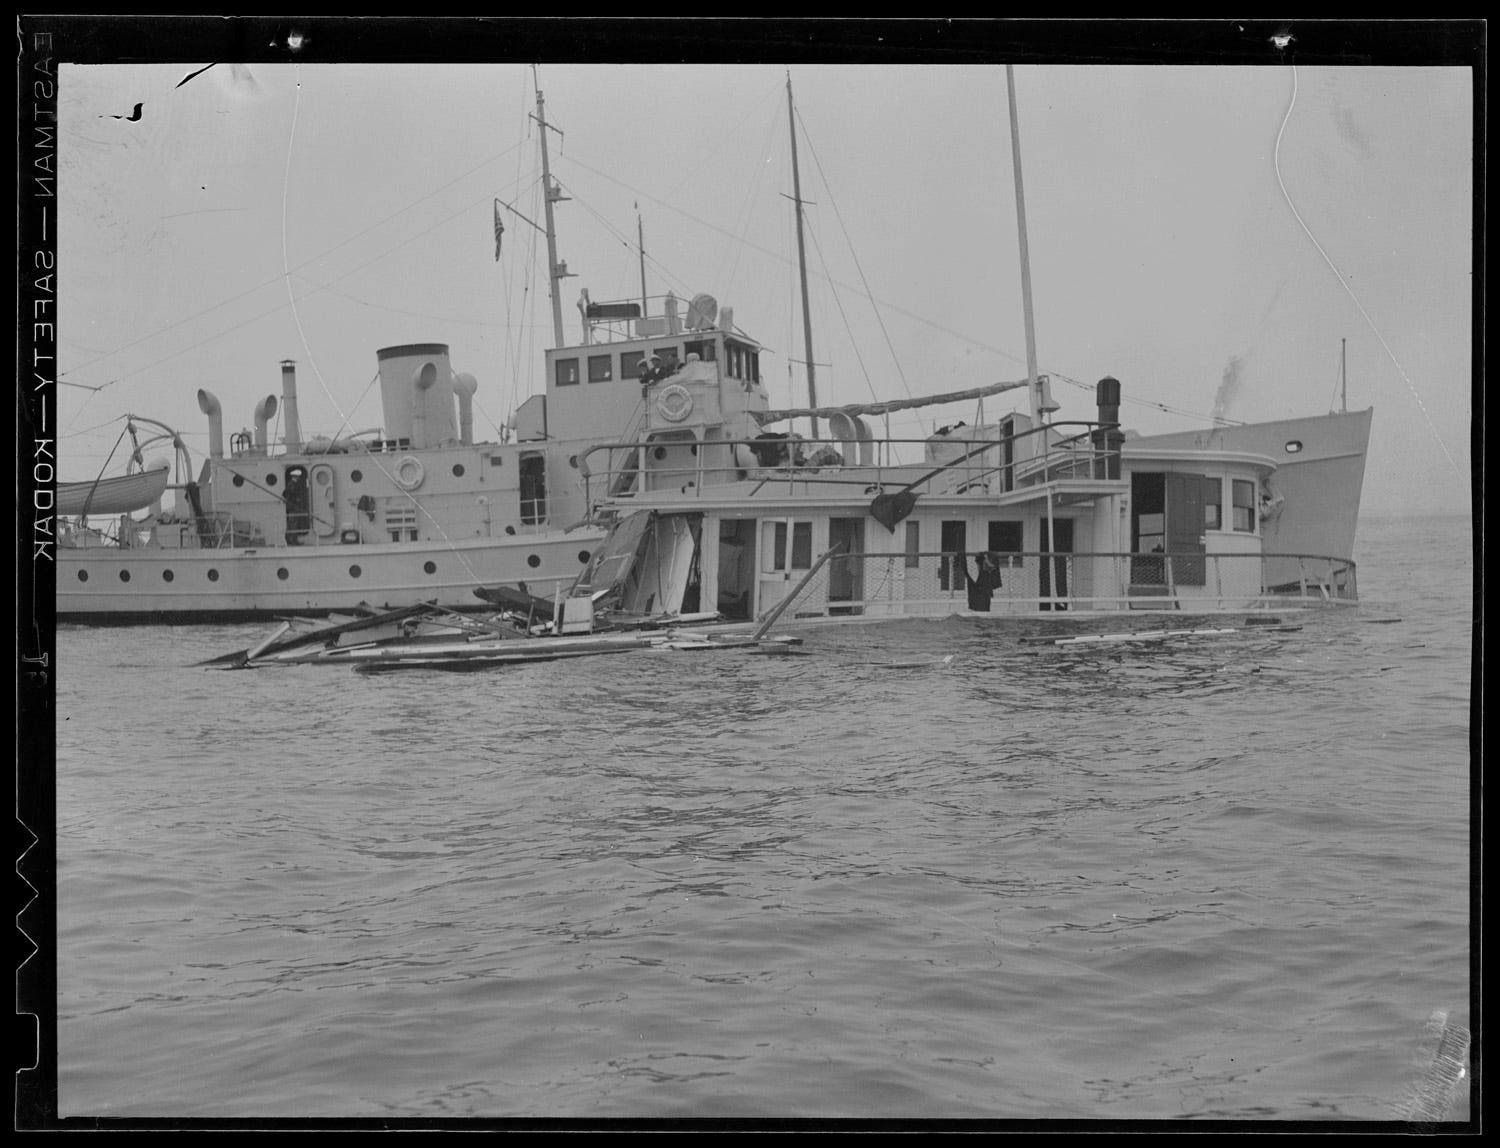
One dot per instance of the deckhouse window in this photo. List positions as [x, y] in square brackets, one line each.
[601, 368]
[1005, 541]
[1213, 503]
[775, 546]
[567, 372]
[1244, 505]
[630, 364]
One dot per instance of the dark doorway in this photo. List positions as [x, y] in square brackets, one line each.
[533, 488]
[298, 505]
[846, 575]
[1053, 576]
[952, 541]
[736, 568]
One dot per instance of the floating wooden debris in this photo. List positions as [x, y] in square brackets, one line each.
[1152, 635]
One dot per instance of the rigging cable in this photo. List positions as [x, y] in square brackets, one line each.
[1276, 159]
[837, 214]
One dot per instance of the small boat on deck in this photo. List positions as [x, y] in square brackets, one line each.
[122, 494]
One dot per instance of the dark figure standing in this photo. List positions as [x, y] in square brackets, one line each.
[982, 586]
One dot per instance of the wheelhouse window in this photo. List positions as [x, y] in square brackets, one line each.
[630, 364]
[567, 372]
[601, 368]
[703, 348]
[669, 356]
[1244, 505]
[1213, 504]
[913, 544]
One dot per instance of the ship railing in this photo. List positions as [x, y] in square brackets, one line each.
[949, 465]
[1029, 582]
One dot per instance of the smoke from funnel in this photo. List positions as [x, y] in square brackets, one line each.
[1229, 386]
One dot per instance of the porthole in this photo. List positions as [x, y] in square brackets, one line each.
[356, 476]
[354, 571]
[166, 575]
[430, 567]
[510, 530]
[458, 470]
[124, 575]
[533, 561]
[573, 461]
[83, 575]
[239, 480]
[659, 453]
[213, 575]
[583, 556]
[270, 480]
[282, 573]
[1294, 447]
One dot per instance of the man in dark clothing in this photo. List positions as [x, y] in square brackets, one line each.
[650, 372]
[982, 586]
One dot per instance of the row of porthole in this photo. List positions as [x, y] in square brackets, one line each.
[354, 476]
[355, 571]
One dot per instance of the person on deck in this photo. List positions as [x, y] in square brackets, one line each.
[650, 372]
[985, 582]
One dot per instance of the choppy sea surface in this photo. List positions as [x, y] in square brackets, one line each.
[1214, 879]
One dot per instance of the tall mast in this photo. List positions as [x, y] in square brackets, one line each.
[812, 387]
[640, 242]
[550, 195]
[1041, 398]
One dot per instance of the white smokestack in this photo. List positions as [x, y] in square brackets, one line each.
[210, 406]
[464, 387]
[421, 381]
[293, 437]
[265, 410]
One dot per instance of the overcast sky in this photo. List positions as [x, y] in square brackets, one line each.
[1163, 250]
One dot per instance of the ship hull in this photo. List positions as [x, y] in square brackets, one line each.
[123, 586]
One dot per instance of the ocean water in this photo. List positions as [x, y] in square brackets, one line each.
[926, 871]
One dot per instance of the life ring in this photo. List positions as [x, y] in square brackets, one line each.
[675, 402]
[410, 472]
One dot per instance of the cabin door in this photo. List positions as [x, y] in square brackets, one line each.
[952, 540]
[736, 568]
[298, 502]
[846, 576]
[785, 557]
[1053, 575]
